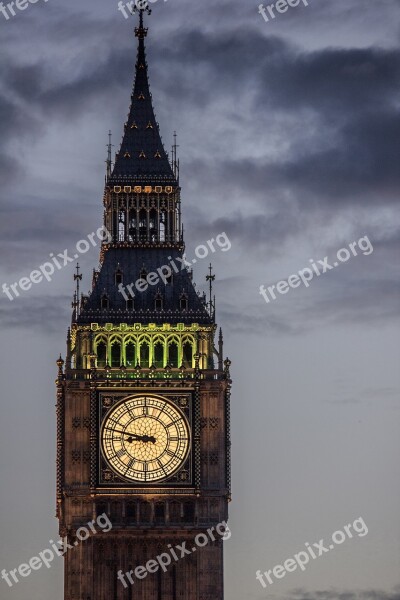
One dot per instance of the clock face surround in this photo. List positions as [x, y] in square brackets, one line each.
[145, 439]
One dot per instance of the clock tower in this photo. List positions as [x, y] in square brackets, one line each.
[143, 397]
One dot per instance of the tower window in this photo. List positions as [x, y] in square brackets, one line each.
[184, 302]
[119, 277]
[116, 355]
[131, 512]
[105, 303]
[130, 354]
[187, 355]
[159, 303]
[175, 512]
[101, 509]
[173, 355]
[145, 512]
[159, 355]
[101, 355]
[143, 274]
[189, 512]
[130, 304]
[144, 355]
[159, 512]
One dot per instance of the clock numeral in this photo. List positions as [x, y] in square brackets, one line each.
[121, 452]
[160, 464]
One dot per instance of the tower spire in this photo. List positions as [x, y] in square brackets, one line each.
[142, 159]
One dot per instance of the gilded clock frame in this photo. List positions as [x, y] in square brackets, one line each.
[183, 477]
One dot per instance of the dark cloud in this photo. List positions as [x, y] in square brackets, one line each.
[333, 110]
[46, 314]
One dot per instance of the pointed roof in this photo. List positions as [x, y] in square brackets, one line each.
[142, 157]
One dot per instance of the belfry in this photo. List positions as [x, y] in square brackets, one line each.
[143, 396]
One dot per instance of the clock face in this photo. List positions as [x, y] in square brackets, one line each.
[145, 439]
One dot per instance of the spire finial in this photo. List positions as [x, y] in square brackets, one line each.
[141, 6]
[211, 279]
[175, 161]
[77, 278]
[109, 153]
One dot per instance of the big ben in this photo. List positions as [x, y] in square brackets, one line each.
[143, 396]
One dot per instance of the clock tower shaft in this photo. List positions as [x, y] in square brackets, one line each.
[143, 335]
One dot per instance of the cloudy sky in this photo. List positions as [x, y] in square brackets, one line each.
[289, 142]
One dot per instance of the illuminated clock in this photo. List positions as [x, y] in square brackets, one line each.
[145, 439]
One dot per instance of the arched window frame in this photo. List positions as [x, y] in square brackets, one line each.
[158, 340]
[116, 340]
[102, 339]
[145, 339]
[172, 339]
[130, 340]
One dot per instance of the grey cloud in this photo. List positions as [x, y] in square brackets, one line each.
[44, 314]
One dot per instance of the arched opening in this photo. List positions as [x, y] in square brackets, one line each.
[159, 513]
[116, 359]
[145, 512]
[189, 512]
[101, 509]
[144, 355]
[131, 513]
[132, 226]
[184, 302]
[116, 512]
[101, 355]
[153, 225]
[158, 302]
[175, 512]
[187, 357]
[159, 355]
[142, 225]
[105, 303]
[173, 355]
[130, 352]
[119, 278]
[162, 226]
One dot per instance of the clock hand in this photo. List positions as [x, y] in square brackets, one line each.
[137, 438]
